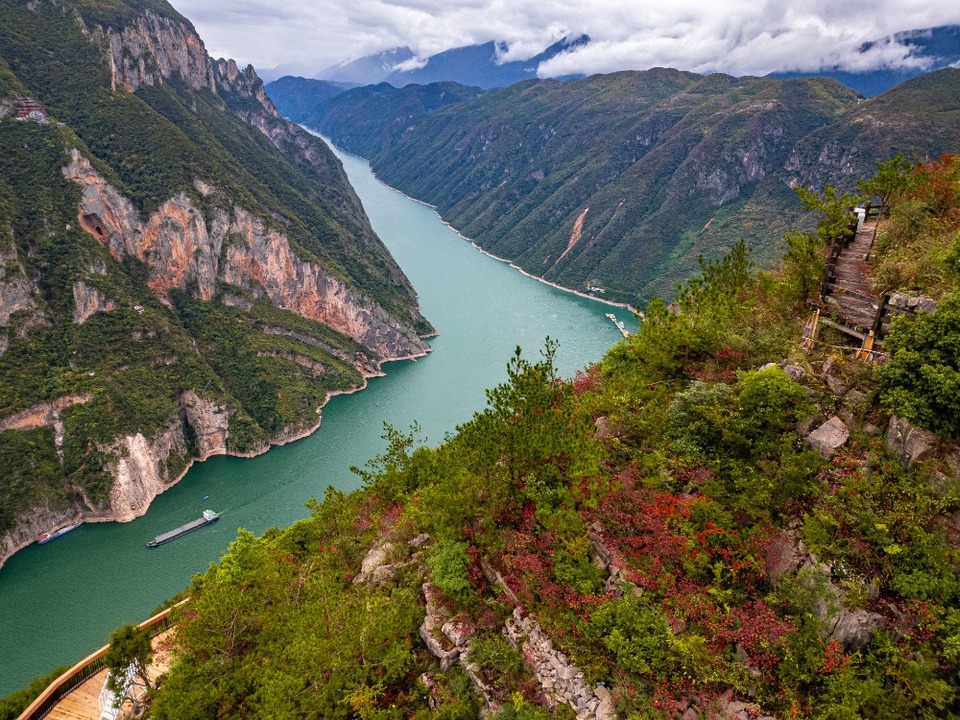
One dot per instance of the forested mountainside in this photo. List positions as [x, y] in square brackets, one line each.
[712, 523]
[182, 272]
[362, 121]
[621, 181]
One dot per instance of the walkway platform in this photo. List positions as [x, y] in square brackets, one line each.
[83, 702]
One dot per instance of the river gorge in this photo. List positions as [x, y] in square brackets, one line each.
[60, 601]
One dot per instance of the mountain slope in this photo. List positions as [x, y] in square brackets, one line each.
[621, 181]
[360, 118]
[611, 180]
[297, 96]
[182, 272]
[711, 523]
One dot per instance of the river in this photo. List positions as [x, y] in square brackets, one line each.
[60, 601]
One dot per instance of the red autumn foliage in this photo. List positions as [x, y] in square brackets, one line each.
[588, 381]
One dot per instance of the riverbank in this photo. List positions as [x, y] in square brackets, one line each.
[578, 293]
[149, 486]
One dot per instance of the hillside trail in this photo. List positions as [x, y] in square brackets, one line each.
[851, 296]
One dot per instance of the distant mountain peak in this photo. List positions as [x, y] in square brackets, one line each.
[925, 49]
[367, 70]
[485, 65]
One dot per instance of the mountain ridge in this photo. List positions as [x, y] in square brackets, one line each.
[655, 167]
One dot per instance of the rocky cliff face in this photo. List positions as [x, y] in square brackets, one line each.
[179, 251]
[143, 467]
[39, 519]
[176, 215]
[87, 301]
[261, 114]
[16, 292]
[151, 48]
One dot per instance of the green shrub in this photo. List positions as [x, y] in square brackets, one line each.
[769, 405]
[448, 562]
[636, 634]
[921, 382]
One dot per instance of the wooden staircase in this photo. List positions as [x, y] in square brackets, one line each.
[847, 301]
[850, 296]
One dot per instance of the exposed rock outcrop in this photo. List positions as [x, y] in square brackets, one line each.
[245, 83]
[909, 444]
[42, 415]
[179, 251]
[375, 568]
[829, 437]
[36, 520]
[852, 627]
[87, 301]
[15, 289]
[432, 631]
[561, 681]
[210, 424]
[151, 48]
[142, 472]
[142, 467]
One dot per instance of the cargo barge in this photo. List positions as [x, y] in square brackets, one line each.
[208, 517]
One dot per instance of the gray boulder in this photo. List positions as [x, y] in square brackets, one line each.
[908, 443]
[829, 437]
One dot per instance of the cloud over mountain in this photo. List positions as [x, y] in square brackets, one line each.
[734, 36]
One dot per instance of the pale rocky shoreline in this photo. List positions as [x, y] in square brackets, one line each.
[140, 475]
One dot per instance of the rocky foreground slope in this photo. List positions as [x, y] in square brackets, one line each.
[714, 523]
[182, 272]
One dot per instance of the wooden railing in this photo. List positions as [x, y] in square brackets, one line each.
[87, 668]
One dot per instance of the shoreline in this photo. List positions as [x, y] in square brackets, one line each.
[281, 440]
[563, 288]
[578, 293]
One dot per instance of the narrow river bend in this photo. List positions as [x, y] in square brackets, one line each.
[60, 601]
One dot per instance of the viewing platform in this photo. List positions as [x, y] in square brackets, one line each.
[76, 694]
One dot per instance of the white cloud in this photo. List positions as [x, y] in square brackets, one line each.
[733, 36]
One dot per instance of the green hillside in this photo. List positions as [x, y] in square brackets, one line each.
[669, 533]
[659, 166]
[106, 325]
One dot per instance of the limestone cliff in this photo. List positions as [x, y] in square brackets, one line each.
[16, 292]
[200, 289]
[179, 250]
[151, 48]
[87, 301]
[36, 520]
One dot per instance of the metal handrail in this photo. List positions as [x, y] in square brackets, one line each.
[87, 668]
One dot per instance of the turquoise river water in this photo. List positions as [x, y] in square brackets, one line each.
[60, 601]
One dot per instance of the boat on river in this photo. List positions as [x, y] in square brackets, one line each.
[208, 517]
[46, 537]
[619, 324]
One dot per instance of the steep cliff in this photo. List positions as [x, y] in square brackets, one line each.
[150, 48]
[192, 266]
[179, 252]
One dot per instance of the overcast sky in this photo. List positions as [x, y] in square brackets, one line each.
[734, 36]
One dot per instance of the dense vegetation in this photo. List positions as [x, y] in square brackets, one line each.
[660, 166]
[269, 369]
[737, 548]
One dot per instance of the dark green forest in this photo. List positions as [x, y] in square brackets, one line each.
[656, 167]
